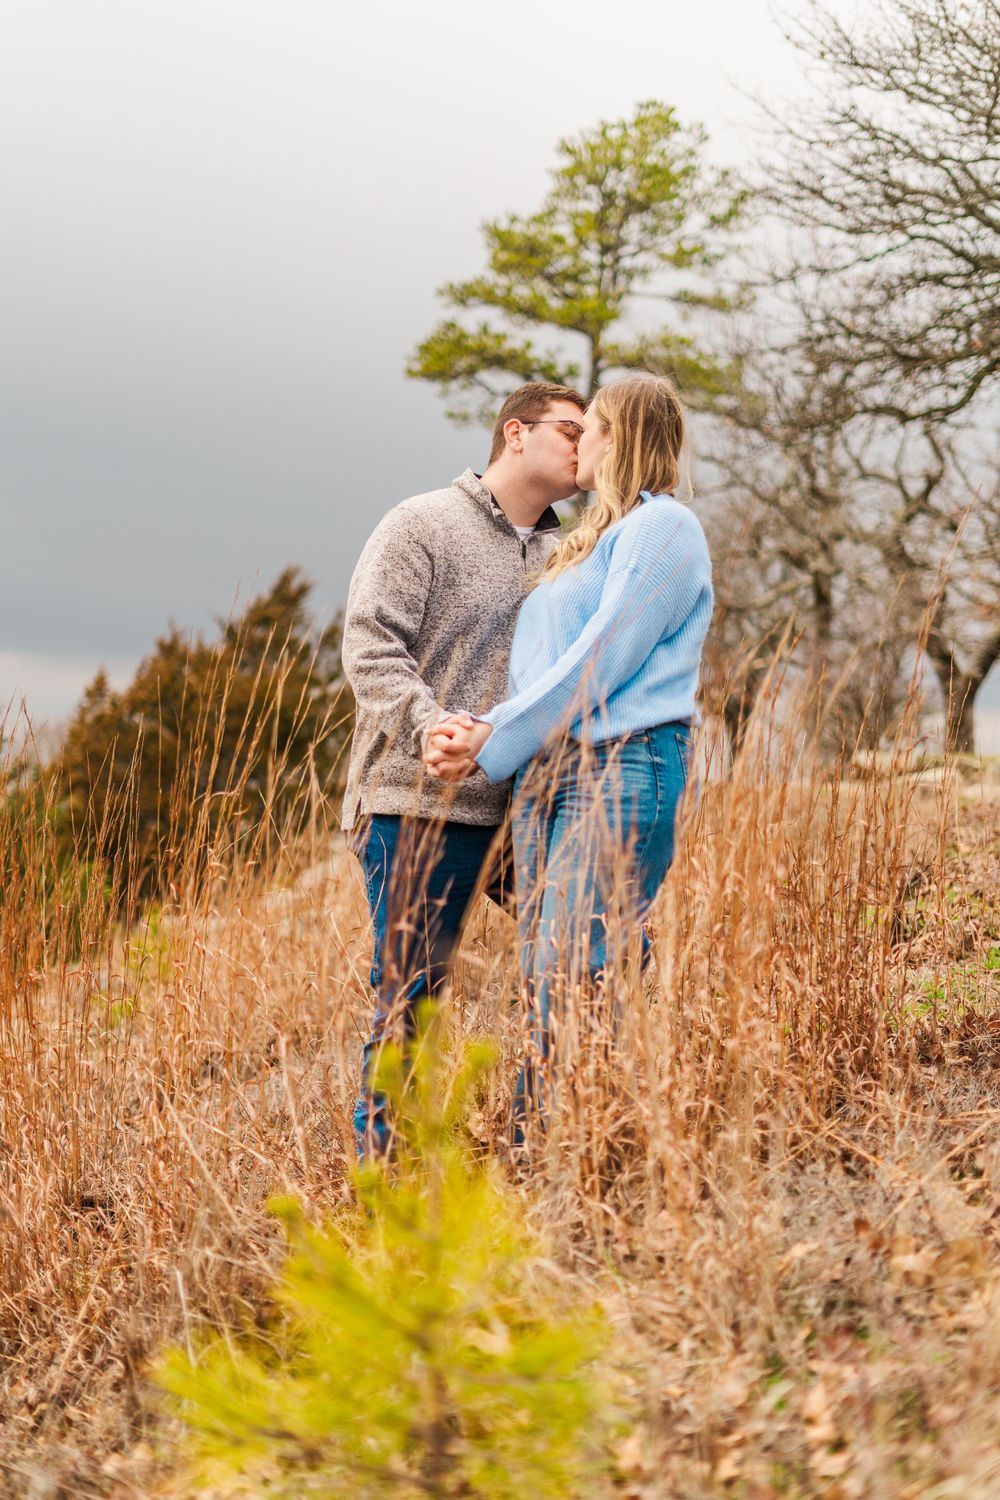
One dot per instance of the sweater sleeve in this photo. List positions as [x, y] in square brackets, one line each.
[644, 599]
[385, 610]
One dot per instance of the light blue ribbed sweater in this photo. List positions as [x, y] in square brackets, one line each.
[611, 646]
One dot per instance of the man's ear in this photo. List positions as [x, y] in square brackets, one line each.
[512, 432]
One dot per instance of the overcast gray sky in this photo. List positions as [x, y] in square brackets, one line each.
[223, 225]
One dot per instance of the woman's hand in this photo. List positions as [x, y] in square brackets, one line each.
[452, 747]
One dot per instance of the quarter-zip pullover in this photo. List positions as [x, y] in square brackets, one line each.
[427, 632]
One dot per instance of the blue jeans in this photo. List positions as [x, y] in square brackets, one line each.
[421, 877]
[593, 830]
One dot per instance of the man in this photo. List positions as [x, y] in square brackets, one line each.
[427, 635]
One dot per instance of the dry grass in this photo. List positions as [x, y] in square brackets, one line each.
[783, 1188]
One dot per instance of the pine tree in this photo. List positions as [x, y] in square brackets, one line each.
[420, 1350]
[209, 739]
[633, 213]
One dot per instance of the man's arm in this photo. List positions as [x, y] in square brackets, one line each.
[385, 610]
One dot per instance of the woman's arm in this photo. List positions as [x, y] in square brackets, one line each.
[647, 595]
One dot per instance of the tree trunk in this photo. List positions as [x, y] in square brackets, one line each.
[960, 688]
[596, 370]
[739, 706]
[736, 716]
[822, 592]
[588, 388]
[960, 718]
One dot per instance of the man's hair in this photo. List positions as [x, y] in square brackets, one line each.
[528, 402]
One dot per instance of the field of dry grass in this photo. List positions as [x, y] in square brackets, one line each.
[784, 1188]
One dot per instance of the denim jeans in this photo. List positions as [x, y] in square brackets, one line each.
[421, 878]
[593, 831]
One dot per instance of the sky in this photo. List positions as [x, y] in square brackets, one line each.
[223, 225]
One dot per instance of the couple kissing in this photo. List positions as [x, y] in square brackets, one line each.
[525, 698]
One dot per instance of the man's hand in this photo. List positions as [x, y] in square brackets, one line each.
[452, 747]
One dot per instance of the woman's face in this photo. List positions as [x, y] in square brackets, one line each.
[594, 443]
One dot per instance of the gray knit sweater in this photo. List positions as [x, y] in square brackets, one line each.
[428, 629]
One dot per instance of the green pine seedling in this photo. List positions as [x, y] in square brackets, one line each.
[419, 1350]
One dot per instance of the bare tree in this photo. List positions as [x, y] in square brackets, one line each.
[793, 551]
[857, 531]
[895, 166]
[937, 527]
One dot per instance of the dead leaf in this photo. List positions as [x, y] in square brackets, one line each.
[963, 1259]
[798, 1252]
[817, 1411]
[494, 1340]
[831, 1465]
[727, 1469]
[630, 1455]
[909, 1265]
[816, 1402]
[874, 1242]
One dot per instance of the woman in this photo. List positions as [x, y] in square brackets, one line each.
[603, 678]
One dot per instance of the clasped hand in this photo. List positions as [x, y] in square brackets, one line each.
[452, 747]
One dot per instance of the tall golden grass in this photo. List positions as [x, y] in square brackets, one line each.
[778, 1170]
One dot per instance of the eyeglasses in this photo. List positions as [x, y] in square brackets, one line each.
[569, 429]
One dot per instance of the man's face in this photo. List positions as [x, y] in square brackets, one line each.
[549, 448]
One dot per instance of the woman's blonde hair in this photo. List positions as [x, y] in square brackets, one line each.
[644, 417]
